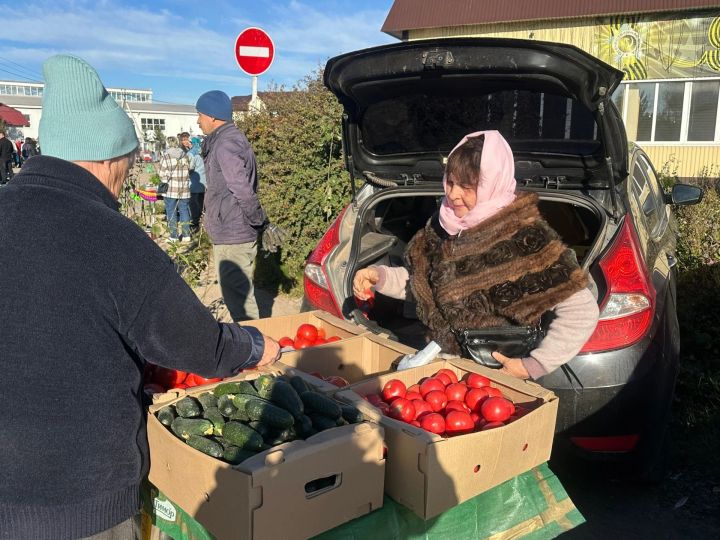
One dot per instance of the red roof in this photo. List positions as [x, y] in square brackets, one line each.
[416, 14]
[12, 117]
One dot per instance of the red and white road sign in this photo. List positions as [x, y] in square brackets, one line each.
[254, 51]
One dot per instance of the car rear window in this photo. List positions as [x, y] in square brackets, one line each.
[423, 123]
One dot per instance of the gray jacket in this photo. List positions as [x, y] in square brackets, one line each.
[233, 214]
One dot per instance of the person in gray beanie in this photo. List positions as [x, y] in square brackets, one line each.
[234, 216]
[88, 299]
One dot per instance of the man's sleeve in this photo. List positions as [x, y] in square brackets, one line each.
[172, 328]
[235, 170]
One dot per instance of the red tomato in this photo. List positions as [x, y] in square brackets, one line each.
[457, 406]
[458, 422]
[415, 423]
[320, 341]
[496, 409]
[384, 408]
[198, 380]
[374, 399]
[475, 380]
[478, 420]
[414, 388]
[321, 333]
[307, 331]
[337, 381]
[180, 386]
[456, 392]
[402, 409]
[332, 338]
[444, 378]
[433, 422]
[494, 392]
[450, 373]
[421, 408]
[430, 385]
[412, 395]
[436, 399]
[302, 343]
[491, 425]
[475, 397]
[153, 388]
[394, 388]
[286, 342]
[169, 378]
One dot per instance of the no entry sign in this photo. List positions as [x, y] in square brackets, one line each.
[254, 51]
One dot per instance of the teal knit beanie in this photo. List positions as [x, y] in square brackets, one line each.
[80, 121]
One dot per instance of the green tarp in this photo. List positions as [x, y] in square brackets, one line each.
[532, 506]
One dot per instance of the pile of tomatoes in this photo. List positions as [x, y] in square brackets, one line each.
[307, 335]
[444, 405]
[159, 379]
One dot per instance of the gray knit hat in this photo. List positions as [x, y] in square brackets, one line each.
[80, 121]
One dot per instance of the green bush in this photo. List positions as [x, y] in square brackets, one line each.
[303, 184]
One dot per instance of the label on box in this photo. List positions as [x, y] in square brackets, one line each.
[164, 509]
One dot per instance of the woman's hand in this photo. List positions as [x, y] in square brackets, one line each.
[512, 366]
[363, 280]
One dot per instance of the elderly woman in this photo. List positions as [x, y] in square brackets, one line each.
[174, 169]
[486, 259]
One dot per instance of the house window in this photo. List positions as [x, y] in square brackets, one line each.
[670, 111]
[152, 123]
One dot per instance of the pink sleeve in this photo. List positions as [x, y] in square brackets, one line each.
[392, 282]
[575, 321]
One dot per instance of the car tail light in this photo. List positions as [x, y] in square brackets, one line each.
[615, 444]
[626, 312]
[317, 286]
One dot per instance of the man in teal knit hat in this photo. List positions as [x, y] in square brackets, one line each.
[88, 299]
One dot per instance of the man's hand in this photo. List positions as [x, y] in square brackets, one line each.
[512, 366]
[273, 237]
[363, 280]
[271, 352]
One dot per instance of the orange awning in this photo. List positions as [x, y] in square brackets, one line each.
[12, 117]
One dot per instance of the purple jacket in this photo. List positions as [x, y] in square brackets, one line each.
[233, 214]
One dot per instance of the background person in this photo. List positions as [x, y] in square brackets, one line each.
[233, 214]
[6, 157]
[197, 179]
[487, 258]
[174, 169]
[88, 299]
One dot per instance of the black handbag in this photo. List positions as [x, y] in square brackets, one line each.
[512, 341]
[162, 188]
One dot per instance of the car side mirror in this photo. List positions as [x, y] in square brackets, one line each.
[684, 194]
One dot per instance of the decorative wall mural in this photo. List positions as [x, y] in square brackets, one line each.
[662, 47]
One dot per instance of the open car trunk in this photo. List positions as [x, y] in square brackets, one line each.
[387, 221]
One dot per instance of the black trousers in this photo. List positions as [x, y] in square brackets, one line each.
[7, 172]
[196, 207]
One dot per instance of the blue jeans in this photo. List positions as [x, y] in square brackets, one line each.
[172, 208]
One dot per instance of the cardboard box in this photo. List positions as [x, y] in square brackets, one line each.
[287, 325]
[353, 359]
[430, 474]
[294, 490]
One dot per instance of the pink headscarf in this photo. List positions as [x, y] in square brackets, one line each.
[496, 185]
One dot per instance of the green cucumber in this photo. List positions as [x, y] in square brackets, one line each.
[262, 384]
[225, 404]
[283, 436]
[299, 384]
[304, 426]
[239, 400]
[322, 422]
[351, 414]
[236, 387]
[235, 455]
[321, 404]
[283, 394]
[188, 407]
[166, 415]
[264, 430]
[207, 400]
[242, 436]
[184, 427]
[216, 417]
[206, 446]
[341, 422]
[269, 414]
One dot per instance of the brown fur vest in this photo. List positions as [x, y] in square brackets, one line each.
[508, 270]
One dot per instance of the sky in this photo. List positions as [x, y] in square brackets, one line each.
[182, 49]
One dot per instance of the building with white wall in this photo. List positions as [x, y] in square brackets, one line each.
[145, 113]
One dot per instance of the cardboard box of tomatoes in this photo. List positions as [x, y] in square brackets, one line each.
[308, 329]
[469, 432]
[292, 490]
[348, 360]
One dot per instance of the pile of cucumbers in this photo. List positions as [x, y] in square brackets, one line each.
[236, 420]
